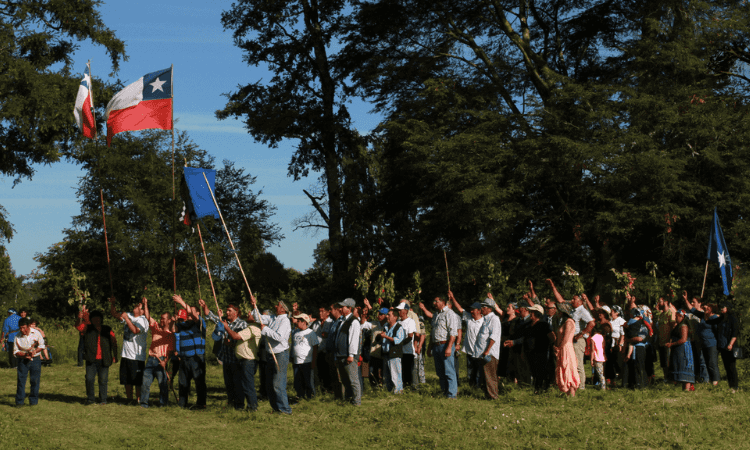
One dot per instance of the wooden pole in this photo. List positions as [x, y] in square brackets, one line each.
[174, 245]
[704, 279]
[197, 278]
[106, 244]
[208, 269]
[447, 274]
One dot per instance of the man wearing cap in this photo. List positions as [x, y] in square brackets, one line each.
[26, 348]
[488, 341]
[134, 350]
[347, 352]
[230, 364]
[445, 326]
[407, 358]
[305, 349]
[190, 347]
[474, 321]
[277, 332]
[10, 329]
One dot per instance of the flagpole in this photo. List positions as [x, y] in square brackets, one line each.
[174, 250]
[101, 190]
[208, 269]
[238, 263]
[704, 279]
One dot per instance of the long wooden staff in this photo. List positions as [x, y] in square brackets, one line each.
[447, 274]
[704, 279]
[106, 245]
[238, 262]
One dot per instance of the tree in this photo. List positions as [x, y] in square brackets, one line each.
[544, 134]
[305, 99]
[36, 86]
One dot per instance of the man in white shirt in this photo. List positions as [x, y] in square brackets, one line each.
[277, 332]
[407, 359]
[488, 341]
[27, 346]
[474, 320]
[134, 348]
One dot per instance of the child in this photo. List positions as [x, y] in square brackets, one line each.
[596, 349]
[305, 348]
[46, 360]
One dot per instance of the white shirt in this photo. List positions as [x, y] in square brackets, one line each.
[277, 330]
[617, 328]
[134, 345]
[491, 329]
[303, 342]
[409, 327]
[470, 339]
[25, 343]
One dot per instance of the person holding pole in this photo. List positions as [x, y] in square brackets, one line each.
[190, 348]
[133, 357]
[246, 351]
[277, 332]
[230, 364]
[162, 348]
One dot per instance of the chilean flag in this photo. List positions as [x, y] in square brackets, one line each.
[82, 112]
[146, 103]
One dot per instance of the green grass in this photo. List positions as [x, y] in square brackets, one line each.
[659, 417]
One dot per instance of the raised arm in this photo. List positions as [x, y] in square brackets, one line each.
[533, 294]
[145, 309]
[587, 302]
[113, 310]
[558, 298]
[427, 313]
[455, 303]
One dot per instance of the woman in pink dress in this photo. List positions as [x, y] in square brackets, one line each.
[566, 369]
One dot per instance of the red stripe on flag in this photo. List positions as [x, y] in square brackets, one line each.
[144, 115]
[87, 121]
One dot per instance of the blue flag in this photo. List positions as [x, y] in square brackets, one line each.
[196, 195]
[718, 253]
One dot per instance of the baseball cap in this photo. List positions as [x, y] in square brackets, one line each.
[403, 306]
[304, 317]
[347, 302]
[182, 314]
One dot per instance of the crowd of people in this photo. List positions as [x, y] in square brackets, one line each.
[531, 342]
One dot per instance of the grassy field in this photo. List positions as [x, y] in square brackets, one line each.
[659, 417]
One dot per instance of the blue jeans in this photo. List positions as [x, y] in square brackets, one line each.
[277, 392]
[304, 383]
[247, 385]
[154, 369]
[25, 368]
[446, 370]
[392, 375]
[94, 370]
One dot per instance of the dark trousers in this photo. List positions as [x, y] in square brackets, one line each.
[475, 369]
[324, 371]
[711, 357]
[96, 370]
[730, 366]
[80, 350]
[232, 380]
[247, 385]
[376, 371]
[336, 386]
[304, 383]
[193, 368]
[12, 360]
[489, 378]
[538, 365]
[262, 363]
[664, 353]
[407, 370]
[31, 369]
[634, 370]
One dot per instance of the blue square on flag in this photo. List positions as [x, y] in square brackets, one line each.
[157, 85]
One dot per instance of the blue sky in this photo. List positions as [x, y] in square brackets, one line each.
[189, 35]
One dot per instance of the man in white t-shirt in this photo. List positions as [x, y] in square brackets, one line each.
[134, 348]
[305, 347]
[473, 319]
[407, 359]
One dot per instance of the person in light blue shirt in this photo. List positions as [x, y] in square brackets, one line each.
[392, 337]
[10, 329]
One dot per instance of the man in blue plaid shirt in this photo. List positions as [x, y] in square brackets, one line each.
[227, 356]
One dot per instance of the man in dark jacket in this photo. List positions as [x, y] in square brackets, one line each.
[99, 352]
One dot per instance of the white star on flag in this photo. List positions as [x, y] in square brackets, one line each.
[157, 84]
[722, 259]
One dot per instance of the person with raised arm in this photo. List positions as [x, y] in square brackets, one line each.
[488, 340]
[190, 348]
[276, 332]
[474, 320]
[230, 364]
[134, 351]
[566, 372]
[159, 353]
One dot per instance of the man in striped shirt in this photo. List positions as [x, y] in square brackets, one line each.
[229, 362]
[191, 349]
[445, 326]
[162, 348]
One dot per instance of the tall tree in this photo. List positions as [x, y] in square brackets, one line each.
[305, 99]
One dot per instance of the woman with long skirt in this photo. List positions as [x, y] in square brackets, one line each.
[682, 365]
